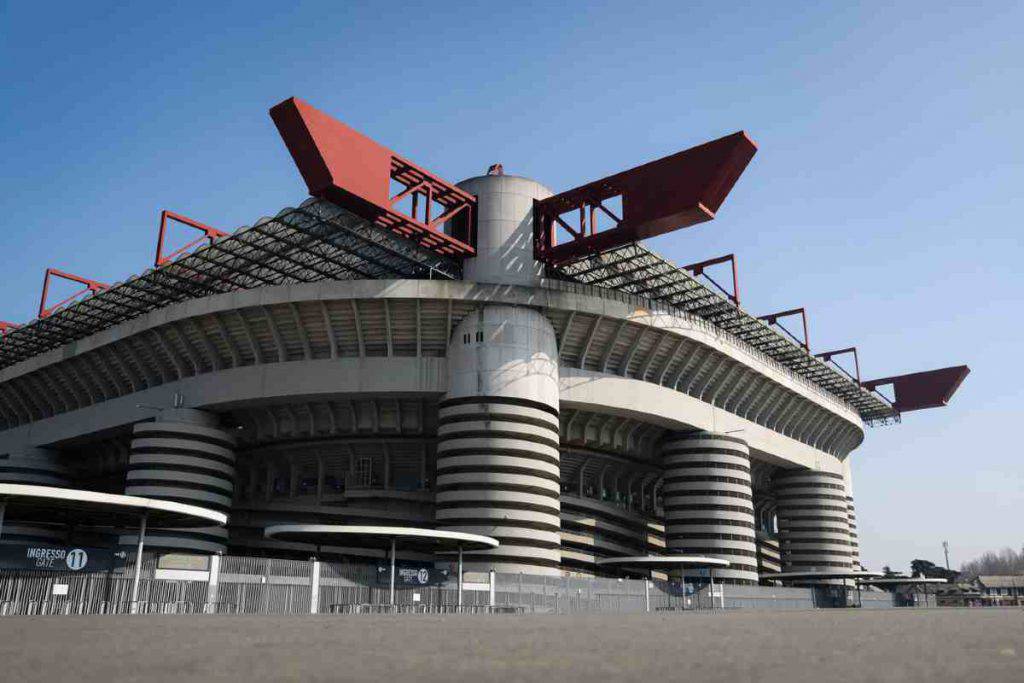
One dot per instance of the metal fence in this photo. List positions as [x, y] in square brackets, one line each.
[256, 585]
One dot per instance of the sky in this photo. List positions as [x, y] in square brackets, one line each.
[886, 196]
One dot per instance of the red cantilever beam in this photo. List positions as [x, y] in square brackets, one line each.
[674, 192]
[346, 167]
[773, 319]
[90, 286]
[698, 269]
[919, 390]
[208, 234]
[828, 355]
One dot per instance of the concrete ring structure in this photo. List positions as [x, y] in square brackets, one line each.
[487, 358]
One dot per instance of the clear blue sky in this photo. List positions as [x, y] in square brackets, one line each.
[886, 197]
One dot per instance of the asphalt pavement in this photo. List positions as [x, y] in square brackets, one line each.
[932, 645]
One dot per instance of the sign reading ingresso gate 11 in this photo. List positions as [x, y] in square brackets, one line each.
[58, 558]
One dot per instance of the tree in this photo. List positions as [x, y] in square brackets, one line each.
[1006, 561]
[930, 570]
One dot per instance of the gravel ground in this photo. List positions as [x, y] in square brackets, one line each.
[824, 645]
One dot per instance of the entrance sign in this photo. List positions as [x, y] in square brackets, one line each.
[412, 576]
[59, 558]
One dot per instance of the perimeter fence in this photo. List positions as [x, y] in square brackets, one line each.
[256, 585]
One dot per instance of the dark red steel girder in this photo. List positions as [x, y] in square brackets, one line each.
[346, 167]
[674, 192]
[90, 286]
[209, 234]
[773, 319]
[699, 268]
[827, 356]
[919, 390]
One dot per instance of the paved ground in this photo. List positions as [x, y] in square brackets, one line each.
[825, 645]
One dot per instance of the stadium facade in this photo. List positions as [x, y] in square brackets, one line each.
[488, 357]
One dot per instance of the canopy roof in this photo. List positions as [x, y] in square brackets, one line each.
[410, 537]
[52, 505]
[823, 575]
[671, 560]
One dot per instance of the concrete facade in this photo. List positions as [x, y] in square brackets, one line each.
[570, 422]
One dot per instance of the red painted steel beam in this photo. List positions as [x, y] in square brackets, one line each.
[919, 390]
[90, 286]
[698, 269]
[166, 216]
[344, 166]
[773, 319]
[674, 192]
[827, 356]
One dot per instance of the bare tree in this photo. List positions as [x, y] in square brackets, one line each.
[1006, 561]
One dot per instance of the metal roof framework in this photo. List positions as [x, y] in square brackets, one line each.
[636, 270]
[316, 241]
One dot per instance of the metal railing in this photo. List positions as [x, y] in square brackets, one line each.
[265, 586]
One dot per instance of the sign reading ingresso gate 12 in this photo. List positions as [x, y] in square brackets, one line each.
[57, 558]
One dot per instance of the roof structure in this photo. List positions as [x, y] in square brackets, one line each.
[54, 505]
[635, 269]
[316, 241]
[1002, 581]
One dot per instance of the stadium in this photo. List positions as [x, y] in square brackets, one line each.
[488, 359]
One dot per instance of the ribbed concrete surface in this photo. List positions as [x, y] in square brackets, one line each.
[497, 474]
[32, 466]
[708, 501]
[498, 436]
[813, 519]
[183, 457]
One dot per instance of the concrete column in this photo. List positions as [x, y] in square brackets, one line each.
[709, 508]
[813, 520]
[314, 587]
[498, 436]
[213, 585]
[184, 456]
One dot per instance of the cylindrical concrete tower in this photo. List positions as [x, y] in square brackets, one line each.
[497, 455]
[498, 430]
[504, 239]
[813, 520]
[851, 517]
[184, 456]
[709, 502]
[39, 467]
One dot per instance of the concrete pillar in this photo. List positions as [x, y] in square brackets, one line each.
[498, 436]
[813, 520]
[213, 585]
[314, 587]
[709, 502]
[184, 456]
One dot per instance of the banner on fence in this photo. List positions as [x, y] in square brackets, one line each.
[412, 575]
[59, 558]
